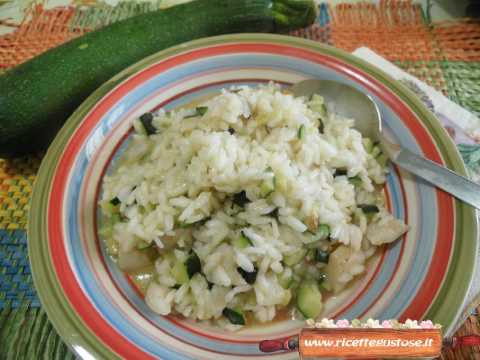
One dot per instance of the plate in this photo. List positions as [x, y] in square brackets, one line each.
[97, 310]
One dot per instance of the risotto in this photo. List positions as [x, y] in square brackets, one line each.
[248, 204]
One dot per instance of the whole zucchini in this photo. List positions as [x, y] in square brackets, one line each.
[37, 96]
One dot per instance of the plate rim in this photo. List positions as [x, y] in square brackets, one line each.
[58, 308]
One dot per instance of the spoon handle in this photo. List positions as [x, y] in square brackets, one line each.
[445, 179]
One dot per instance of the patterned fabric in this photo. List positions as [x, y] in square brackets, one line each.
[445, 55]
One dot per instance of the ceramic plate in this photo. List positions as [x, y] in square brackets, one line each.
[98, 311]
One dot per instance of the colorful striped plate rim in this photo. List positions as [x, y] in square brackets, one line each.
[94, 306]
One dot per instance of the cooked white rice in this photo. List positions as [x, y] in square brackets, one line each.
[176, 190]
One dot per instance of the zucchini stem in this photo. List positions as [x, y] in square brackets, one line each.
[291, 14]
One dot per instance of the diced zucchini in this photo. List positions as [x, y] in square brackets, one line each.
[317, 104]
[274, 213]
[142, 245]
[309, 300]
[301, 132]
[249, 277]
[314, 244]
[242, 241]
[321, 127]
[286, 279]
[286, 298]
[267, 187]
[369, 209]
[109, 209]
[310, 255]
[115, 218]
[367, 144]
[322, 256]
[235, 316]
[180, 273]
[184, 225]
[322, 233]
[340, 172]
[355, 181]
[146, 121]
[240, 199]
[193, 264]
[295, 257]
[382, 159]
[281, 183]
[376, 151]
[325, 284]
[199, 111]
[202, 110]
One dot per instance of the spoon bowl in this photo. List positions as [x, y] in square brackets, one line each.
[347, 102]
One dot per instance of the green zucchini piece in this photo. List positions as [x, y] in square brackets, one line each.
[242, 241]
[321, 127]
[180, 273]
[249, 277]
[146, 120]
[184, 225]
[199, 111]
[295, 257]
[274, 213]
[109, 209]
[309, 300]
[376, 151]
[240, 199]
[382, 159]
[234, 316]
[340, 172]
[193, 264]
[301, 132]
[115, 201]
[285, 279]
[369, 209]
[143, 245]
[355, 181]
[268, 185]
[326, 285]
[322, 233]
[367, 144]
[317, 104]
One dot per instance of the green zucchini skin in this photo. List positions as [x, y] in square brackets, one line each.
[38, 96]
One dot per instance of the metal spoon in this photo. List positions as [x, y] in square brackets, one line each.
[350, 102]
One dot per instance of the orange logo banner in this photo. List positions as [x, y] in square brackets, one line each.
[354, 343]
